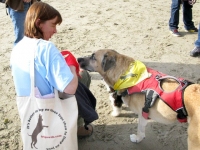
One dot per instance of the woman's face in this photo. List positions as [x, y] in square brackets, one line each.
[48, 28]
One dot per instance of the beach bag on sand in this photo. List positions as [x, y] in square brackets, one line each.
[49, 123]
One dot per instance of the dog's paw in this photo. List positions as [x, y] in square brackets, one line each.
[116, 111]
[115, 114]
[135, 139]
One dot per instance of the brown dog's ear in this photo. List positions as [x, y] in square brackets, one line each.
[108, 62]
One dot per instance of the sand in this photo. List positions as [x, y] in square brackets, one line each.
[135, 28]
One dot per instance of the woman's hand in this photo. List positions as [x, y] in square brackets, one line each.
[191, 2]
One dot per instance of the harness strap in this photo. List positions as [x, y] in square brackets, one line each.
[150, 97]
[123, 94]
[181, 115]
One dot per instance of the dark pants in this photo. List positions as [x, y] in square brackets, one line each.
[187, 15]
[86, 103]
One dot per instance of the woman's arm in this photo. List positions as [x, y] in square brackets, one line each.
[72, 86]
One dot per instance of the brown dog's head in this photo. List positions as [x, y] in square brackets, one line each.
[109, 63]
[100, 61]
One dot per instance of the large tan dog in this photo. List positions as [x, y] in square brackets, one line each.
[110, 65]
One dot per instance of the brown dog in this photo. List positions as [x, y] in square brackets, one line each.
[111, 65]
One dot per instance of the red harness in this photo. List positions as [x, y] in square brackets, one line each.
[151, 86]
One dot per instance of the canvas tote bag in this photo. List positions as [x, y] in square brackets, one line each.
[47, 124]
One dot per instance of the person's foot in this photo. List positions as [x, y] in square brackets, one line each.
[175, 32]
[193, 30]
[195, 52]
[83, 132]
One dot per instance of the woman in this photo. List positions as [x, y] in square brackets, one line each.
[50, 71]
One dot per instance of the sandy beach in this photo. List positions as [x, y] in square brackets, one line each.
[133, 28]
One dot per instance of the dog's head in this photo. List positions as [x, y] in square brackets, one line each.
[100, 61]
[109, 63]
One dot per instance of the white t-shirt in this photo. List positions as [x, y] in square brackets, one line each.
[51, 70]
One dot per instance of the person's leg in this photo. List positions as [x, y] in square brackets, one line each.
[85, 78]
[174, 18]
[197, 43]
[196, 51]
[187, 17]
[89, 113]
[18, 18]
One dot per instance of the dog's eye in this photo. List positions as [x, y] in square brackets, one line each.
[93, 57]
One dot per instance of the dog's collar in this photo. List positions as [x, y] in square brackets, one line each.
[135, 73]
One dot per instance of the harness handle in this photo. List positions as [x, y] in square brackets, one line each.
[185, 82]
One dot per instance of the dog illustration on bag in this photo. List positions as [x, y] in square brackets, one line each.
[39, 127]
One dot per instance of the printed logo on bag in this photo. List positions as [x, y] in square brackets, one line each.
[52, 134]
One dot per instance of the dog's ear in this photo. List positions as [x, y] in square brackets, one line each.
[108, 62]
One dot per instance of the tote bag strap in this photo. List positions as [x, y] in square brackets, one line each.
[32, 71]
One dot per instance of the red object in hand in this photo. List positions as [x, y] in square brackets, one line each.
[71, 60]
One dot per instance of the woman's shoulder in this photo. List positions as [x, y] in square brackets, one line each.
[47, 46]
[47, 49]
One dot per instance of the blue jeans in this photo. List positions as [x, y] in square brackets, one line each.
[18, 18]
[197, 43]
[187, 15]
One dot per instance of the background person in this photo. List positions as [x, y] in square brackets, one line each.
[187, 17]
